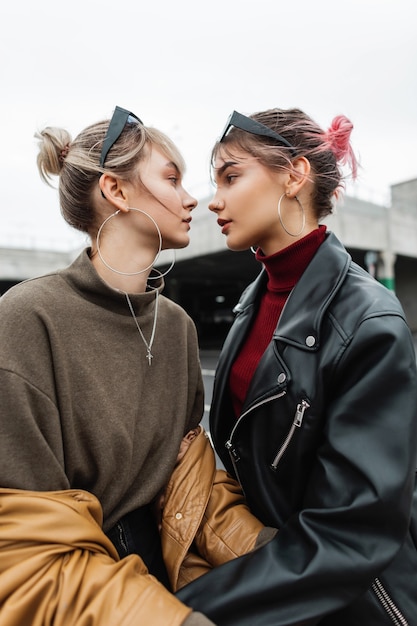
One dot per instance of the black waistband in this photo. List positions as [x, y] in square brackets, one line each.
[137, 533]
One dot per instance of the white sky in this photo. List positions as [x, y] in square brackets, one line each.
[183, 66]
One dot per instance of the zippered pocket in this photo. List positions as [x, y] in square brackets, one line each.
[297, 421]
[233, 452]
[388, 604]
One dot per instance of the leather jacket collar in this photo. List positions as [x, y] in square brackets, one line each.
[296, 325]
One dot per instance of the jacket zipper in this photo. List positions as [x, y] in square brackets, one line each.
[122, 537]
[233, 453]
[388, 604]
[297, 421]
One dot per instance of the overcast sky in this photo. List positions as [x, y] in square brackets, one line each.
[183, 66]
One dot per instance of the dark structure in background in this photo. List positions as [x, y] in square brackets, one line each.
[208, 288]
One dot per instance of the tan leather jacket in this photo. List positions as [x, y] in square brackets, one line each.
[58, 567]
[205, 506]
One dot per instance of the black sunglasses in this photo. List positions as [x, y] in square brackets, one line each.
[256, 128]
[120, 118]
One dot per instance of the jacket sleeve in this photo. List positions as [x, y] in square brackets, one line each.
[228, 528]
[205, 520]
[356, 509]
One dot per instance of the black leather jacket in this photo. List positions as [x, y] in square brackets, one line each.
[325, 450]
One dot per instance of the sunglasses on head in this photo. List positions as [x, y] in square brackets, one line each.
[120, 118]
[256, 128]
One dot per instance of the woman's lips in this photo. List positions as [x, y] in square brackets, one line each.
[224, 225]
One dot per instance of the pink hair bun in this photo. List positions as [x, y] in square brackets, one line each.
[338, 138]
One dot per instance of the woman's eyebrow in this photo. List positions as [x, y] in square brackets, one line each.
[174, 165]
[223, 168]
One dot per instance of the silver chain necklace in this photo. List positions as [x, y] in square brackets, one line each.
[149, 354]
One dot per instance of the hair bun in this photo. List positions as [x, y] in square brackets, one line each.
[338, 138]
[64, 153]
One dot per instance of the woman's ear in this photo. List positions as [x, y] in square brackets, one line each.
[113, 190]
[298, 176]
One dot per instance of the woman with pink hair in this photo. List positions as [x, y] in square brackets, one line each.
[314, 407]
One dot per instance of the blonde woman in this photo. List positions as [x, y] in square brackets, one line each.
[99, 382]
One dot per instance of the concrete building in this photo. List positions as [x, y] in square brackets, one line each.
[207, 278]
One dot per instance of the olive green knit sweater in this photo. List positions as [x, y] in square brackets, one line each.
[80, 405]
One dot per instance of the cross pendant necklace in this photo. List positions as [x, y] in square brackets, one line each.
[149, 354]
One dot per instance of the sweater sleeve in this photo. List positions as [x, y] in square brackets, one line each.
[31, 449]
[195, 380]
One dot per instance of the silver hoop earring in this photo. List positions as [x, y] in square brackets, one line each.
[160, 274]
[119, 271]
[253, 250]
[282, 223]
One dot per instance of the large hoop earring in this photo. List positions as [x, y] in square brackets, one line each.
[282, 223]
[119, 271]
[160, 274]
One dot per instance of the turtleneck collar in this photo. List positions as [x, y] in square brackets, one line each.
[284, 268]
[83, 278]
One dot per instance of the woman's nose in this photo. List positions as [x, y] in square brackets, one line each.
[215, 205]
[190, 202]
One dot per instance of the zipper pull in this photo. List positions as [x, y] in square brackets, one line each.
[296, 423]
[299, 414]
[232, 451]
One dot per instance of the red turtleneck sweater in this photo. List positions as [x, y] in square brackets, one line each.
[284, 269]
